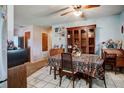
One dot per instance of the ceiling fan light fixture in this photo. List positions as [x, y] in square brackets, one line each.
[77, 13]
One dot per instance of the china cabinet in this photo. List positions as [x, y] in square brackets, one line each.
[83, 37]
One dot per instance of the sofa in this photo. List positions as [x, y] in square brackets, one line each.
[17, 57]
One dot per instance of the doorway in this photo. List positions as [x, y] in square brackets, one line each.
[27, 40]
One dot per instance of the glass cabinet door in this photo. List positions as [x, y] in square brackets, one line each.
[69, 40]
[91, 37]
[76, 37]
[83, 41]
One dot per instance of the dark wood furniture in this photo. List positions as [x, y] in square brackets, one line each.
[54, 52]
[116, 54]
[66, 67]
[83, 36]
[110, 59]
[119, 63]
[17, 77]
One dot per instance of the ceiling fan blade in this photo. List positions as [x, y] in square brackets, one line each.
[59, 10]
[66, 13]
[90, 6]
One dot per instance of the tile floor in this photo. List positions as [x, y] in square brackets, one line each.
[42, 79]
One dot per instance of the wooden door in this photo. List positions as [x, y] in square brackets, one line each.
[44, 42]
[27, 38]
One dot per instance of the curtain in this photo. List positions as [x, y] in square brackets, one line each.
[3, 46]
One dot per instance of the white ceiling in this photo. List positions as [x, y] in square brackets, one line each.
[40, 14]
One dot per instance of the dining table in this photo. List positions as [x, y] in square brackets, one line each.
[89, 64]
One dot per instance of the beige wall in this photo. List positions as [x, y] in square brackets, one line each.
[36, 40]
[37, 53]
[21, 31]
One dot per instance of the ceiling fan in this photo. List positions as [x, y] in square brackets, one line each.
[76, 9]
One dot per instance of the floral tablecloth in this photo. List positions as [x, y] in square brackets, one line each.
[89, 64]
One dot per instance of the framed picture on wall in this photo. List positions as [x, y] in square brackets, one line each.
[57, 30]
[122, 29]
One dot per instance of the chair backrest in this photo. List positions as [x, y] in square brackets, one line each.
[59, 51]
[67, 62]
[54, 52]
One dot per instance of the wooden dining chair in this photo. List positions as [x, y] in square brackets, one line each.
[54, 52]
[66, 67]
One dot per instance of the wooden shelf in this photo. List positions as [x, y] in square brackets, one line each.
[91, 37]
[91, 46]
[76, 38]
[83, 46]
[85, 38]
